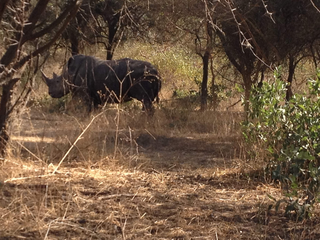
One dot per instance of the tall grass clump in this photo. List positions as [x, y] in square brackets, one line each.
[286, 136]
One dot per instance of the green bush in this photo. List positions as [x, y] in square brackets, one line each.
[286, 135]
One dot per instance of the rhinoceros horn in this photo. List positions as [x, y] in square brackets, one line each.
[44, 77]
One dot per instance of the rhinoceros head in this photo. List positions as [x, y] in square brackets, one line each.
[58, 86]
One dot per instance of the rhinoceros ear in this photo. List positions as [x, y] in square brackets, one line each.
[44, 77]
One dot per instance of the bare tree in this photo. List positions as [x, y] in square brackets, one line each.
[207, 52]
[25, 24]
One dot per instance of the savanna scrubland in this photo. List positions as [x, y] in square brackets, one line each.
[186, 172]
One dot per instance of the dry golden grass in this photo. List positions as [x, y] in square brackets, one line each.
[176, 175]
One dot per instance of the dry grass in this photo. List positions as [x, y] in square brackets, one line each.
[177, 175]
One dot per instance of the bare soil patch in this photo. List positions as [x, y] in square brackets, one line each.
[154, 185]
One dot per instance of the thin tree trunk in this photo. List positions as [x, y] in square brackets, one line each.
[113, 27]
[204, 84]
[4, 114]
[74, 44]
[289, 93]
[213, 86]
[247, 91]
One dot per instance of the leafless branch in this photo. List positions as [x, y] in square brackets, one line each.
[52, 26]
[73, 8]
[244, 41]
[314, 5]
[267, 11]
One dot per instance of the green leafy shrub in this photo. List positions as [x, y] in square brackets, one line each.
[286, 135]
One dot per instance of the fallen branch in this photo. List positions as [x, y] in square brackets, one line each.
[120, 195]
[75, 142]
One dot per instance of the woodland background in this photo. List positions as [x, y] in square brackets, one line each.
[204, 166]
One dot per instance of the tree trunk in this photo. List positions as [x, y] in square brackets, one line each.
[110, 51]
[204, 83]
[74, 44]
[4, 114]
[289, 93]
[213, 86]
[247, 91]
[113, 27]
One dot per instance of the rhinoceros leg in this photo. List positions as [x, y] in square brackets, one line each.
[147, 105]
[81, 97]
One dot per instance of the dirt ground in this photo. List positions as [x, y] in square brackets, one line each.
[135, 183]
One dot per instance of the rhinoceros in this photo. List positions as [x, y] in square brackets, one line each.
[106, 81]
